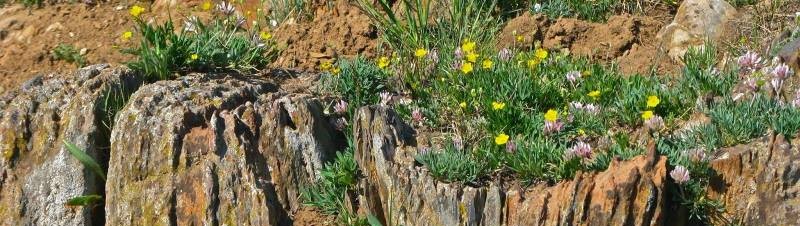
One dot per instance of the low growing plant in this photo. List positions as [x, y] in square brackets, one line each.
[69, 54]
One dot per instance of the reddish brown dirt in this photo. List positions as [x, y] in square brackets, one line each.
[28, 36]
[311, 217]
[337, 30]
[626, 39]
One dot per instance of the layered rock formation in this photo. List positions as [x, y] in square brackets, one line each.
[628, 193]
[212, 150]
[236, 150]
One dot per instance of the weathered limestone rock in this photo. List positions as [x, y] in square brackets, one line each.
[214, 150]
[695, 22]
[758, 182]
[37, 174]
[628, 193]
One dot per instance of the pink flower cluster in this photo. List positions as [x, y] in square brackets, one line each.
[579, 150]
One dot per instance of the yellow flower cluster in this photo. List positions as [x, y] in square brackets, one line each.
[127, 35]
[538, 56]
[136, 10]
[327, 66]
[652, 102]
[265, 35]
[383, 62]
[498, 106]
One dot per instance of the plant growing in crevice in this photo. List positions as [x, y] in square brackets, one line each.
[93, 166]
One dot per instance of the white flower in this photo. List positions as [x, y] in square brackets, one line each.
[226, 8]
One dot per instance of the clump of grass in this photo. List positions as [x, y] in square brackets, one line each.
[328, 194]
[224, 44]
[453, 165]
[69, 54]
[283, 10]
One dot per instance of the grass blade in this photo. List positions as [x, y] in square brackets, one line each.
[85, 159]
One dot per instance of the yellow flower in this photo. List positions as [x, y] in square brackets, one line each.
[581, 132]
[541, 53]
[468, 46]
[194, 56]
[653, 101]
[136, 10]
[472, 57]
[463, 104]
[466, 67]
[325, 65]
[127, 35]
[586, 73]
[520, 38]
[551, 115]
[646, 115]
[501, 139]
[336, 70]
[206, 5]
[420, 53]
[594, 94]
[383, 62]
[265, 35]
[487, 64]
[498, 106]
[532, 63]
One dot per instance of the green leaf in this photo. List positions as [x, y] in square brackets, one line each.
[373, 221]
[85, 159]
[85, 200]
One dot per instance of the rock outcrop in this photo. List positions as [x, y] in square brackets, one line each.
[37, 174]
[236, 150]
[397, 191]
[696, 22]
[206, 149]
[758, 182]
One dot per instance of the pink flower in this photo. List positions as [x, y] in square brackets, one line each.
[589, 108]
[752, 84]
[796, 101]
[697, 155]
[782, 71]
[511, 147]
[579, 150]
[458, 143]
[458, 54]
[417, 116]
[680, 174]
[386, 98]
[553, 127]
[340, 107]
[573, 77]
[504, 54]
[750, 62]
[655, 123]
[433, 56]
